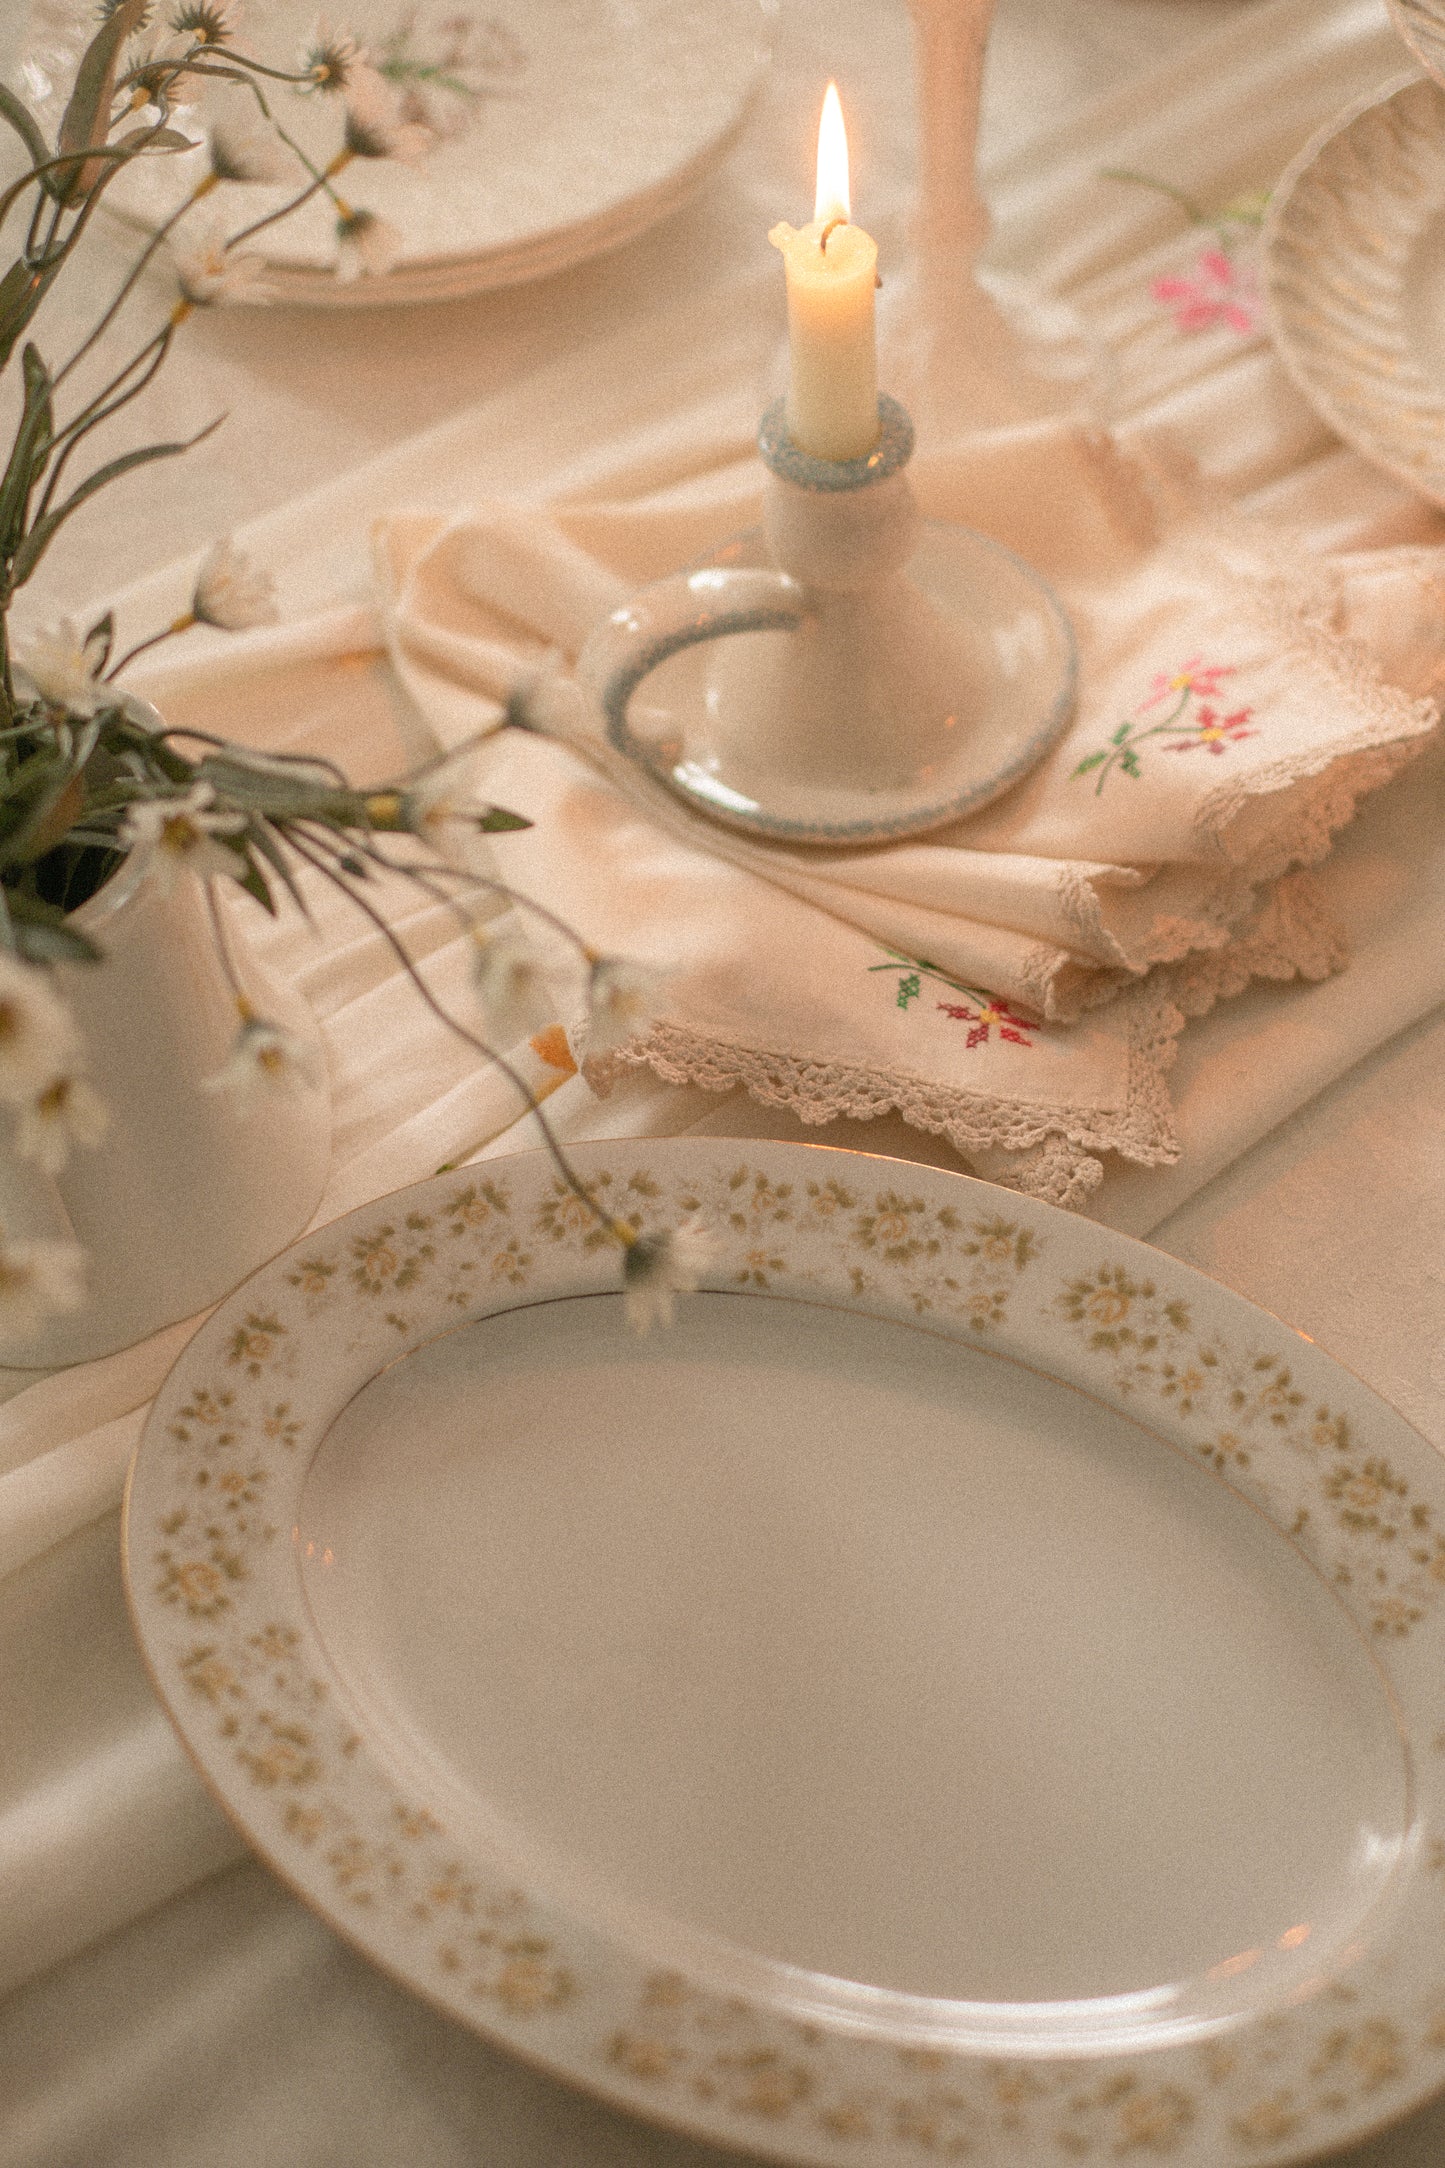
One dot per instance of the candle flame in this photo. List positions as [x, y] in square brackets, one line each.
[831, 200]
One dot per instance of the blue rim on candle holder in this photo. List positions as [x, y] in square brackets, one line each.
[826, 477]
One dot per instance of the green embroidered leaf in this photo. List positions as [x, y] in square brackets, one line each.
[1121, 733]
[497, 821]
[1094, 760]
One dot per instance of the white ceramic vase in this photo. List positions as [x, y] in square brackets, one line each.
[188, 1192]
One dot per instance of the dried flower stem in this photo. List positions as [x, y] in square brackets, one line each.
[618, 1230]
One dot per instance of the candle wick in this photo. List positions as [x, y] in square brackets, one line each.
[831, 227]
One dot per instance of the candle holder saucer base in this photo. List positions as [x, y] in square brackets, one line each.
[845, 674]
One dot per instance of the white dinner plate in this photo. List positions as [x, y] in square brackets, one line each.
[1354, 278]
[579, 124]
[972, 1688]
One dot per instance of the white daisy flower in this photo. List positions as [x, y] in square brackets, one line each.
[65, 1112]
[207, 22]
[366, 246]
[248, 155]
[63, 669]
[231, 593]
[513, 986]
[441, 810]
[37, 1280]
[171, 836]
[656, 1269]
[37, 1034]
[211, 274]
[376, 127]
[622, 999]
[266, 1062]
[329, 56]
[155, 71]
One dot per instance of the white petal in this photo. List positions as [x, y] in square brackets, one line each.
[67, 1111]
[37, 1035]
[623, 999]
[61, 670]
[514, 988]
[37, 1280]
[266, 1061]
[658, 1268]
[230, 593]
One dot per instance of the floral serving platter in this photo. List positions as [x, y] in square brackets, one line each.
[1354, 279]
[561, 128]
[971, 1688]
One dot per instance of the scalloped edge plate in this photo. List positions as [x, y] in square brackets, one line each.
[1346, 230]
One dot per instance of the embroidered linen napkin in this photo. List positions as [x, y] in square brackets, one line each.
[1226, 728]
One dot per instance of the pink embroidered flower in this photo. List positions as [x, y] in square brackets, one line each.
[982, 1020]
[1197, 677]
[1214, 730]
[1219, 290]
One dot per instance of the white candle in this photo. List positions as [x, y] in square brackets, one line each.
[832, 269]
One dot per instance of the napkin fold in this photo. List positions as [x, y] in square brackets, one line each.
[1001, 981]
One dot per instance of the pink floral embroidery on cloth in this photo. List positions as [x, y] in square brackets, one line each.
[1198, 677]
[989, 1014]
[983, 1012]
[1220, 290]
[1213, 731]
[1183, 733]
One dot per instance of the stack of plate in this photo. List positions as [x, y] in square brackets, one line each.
[563, 127]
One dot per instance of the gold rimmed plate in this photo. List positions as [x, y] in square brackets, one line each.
[972, 1684]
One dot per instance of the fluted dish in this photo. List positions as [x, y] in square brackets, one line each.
[1421, 23]
[1354, 279]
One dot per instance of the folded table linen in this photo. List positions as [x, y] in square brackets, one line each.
[1225, 728]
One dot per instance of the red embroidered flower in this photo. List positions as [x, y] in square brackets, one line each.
[988, 1015]
[1219, 290]
[1213, 730]
[1197, 677]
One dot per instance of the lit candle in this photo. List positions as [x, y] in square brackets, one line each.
[831, 268]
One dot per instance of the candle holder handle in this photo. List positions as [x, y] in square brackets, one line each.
[848, 673]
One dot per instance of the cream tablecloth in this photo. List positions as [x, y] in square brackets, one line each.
[187, 2020]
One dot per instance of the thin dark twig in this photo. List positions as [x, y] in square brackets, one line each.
[625, 1237]
[77, 431]
[492, 885]
[223, 945]
[258, 225]
[168, 632]
[128, 283]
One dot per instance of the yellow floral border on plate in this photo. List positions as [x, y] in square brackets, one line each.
[211, 1525]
